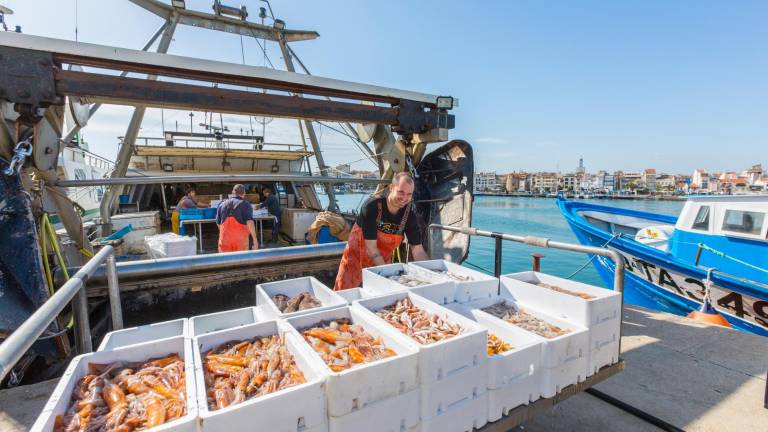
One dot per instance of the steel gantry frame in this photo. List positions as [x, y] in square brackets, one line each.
[408, 113]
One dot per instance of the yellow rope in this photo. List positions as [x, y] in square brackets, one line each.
[48, 233]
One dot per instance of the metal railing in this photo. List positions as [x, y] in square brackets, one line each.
[618, 275]
[618, 260]
[14, 347]
[226, 143]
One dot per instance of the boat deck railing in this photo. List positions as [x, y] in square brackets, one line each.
[14, 347]
[228, 142]
[542, 242]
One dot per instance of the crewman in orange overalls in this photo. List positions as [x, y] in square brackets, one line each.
[379, 230]
[235, 220]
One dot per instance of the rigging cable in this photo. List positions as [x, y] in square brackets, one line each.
[613, 237]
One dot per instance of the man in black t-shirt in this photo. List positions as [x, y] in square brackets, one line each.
[379, 230]
[273, 207]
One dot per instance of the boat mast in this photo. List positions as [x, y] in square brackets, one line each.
[332, 205]
[126, 149]
[226, 19]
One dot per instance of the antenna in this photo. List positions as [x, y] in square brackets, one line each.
[3, 12]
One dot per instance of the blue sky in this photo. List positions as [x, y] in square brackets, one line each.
[625, 84]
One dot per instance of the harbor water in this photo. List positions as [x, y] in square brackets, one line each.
[529, 216]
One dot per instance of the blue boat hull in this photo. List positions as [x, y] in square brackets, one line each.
[656, 281]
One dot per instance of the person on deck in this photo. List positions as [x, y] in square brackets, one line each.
[379, 230]
[188, 201]
[234, 216]
[273, 207]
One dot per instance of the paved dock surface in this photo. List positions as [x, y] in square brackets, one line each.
[694, 376]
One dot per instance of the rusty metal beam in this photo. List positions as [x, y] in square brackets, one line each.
[221, 78]
[133, 91]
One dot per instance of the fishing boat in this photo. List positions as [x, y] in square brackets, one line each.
[717, 248]
[47, 169]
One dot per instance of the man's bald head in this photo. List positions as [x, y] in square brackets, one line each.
[402, 176]
[400, 190]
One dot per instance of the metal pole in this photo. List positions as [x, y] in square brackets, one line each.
[210, 178]
[125, 151]
[14, 347]
[115, 306]
[165, 203]
[163, 267]
[537, 261]
[82, 321]
[332, 205]
[497, 258]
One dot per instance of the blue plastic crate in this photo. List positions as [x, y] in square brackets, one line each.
[209, 213]
[125, 199]
[325, 236]
[187, 214]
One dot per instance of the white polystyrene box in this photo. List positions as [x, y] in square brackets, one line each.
[287, 410]
[564, 358]
[395, 414]
[481, 285]
[170, 245]
[352, 294]
[440, 290]
[463, 416]
[145, 333]
[355, 388]
[515, 371]
[291, 288]
[450, 370]
[59, 401]
[601, 315]
[604, 355]
[202, 324]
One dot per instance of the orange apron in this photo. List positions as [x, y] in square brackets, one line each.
[233, 236]
[355, 257]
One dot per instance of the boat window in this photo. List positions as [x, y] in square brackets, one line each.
[742, 221]
[702, 219]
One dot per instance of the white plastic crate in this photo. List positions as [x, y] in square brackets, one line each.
[135, 335]
[202, 324]
[170, 245]
[395, 414]
[440, 290]
[355, 388]
[60, 399]
[450, 370]
[514, 375]
[462, 416]
[601, 314]
[604, 355]
[287, 410]
[352, 294]
[291, 288]
[480, 286]
[563, 358]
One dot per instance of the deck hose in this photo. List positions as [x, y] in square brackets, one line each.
[659, 423]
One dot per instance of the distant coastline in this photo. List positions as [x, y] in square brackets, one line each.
[611, 197]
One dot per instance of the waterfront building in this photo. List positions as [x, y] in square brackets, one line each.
[649, 179]
[570, 182]
[753, 174]
[544, 182]
[485, 181]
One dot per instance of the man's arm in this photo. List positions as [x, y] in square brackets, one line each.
[419, 254]
[252, 230]
[373, 252]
